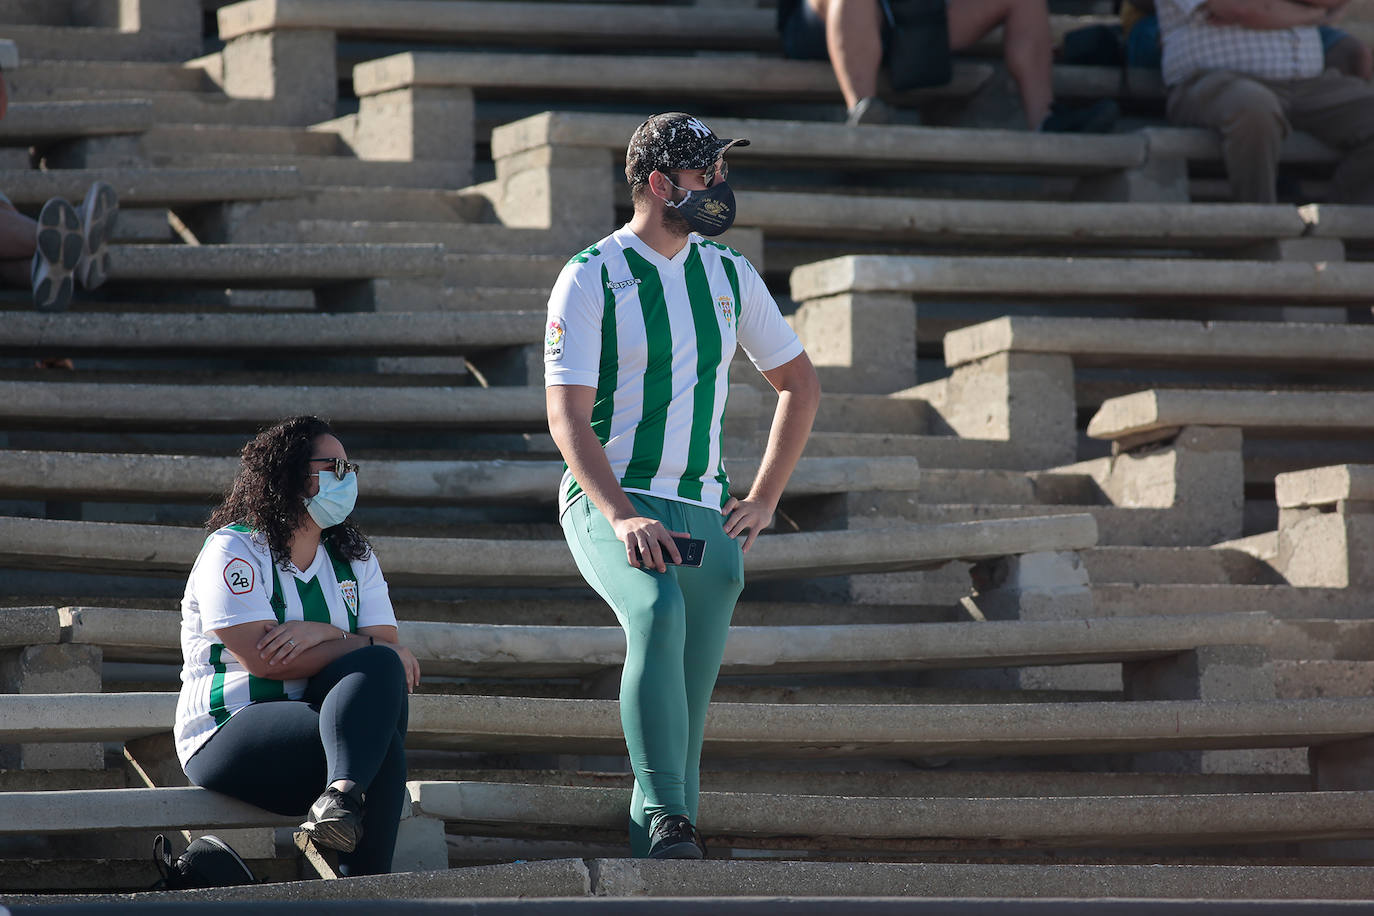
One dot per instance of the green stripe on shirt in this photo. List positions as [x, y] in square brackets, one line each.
[603, 408]
[704, 390]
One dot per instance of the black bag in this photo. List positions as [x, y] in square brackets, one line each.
[918, 48]
[1095, 46]
[207, 862]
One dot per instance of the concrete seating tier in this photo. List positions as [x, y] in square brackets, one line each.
[180, 477]
[484, 808]
[29, 123]
[152, 187]
[1148, 416]
[150, 549]
[271, 266]
[564, 167]
[217, 333]
[1262, 282]
[486, 650]
[629, 25]
[515, 724]
[1105, 342]
[599, 885]
[1064, 225]
[71, 42]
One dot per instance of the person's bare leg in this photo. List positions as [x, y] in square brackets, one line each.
[853, 36]
[1026, 45]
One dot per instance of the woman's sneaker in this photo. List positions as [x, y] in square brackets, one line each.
[58, 251]
[335, 821]
[674, 837]
[99, 211]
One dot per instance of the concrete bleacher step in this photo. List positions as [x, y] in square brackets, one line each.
[43, 122]
[616, 885]
[218, 333]
[970, 222]
[112, 405]
[159, 550]
[486, 650]
[65, 74]
[279, 266]
[1282, 283]
[153, 187]
[1177, 820]
[932, 783]
[65, 42]
[365, 204]
[624, 75]
[618, 25]
[799, 731]
[180, 106]
[179, 477]
[328, 171]
[1283, 601]
[931, 451]
[213, 139]
[466, 238]
[1149, 415]
[1116, 525]
[1175, 565]
[510, 270]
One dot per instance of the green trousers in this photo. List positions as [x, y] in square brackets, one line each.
[675, 623]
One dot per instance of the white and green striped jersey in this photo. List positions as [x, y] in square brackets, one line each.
[655, 336]
[233, 582]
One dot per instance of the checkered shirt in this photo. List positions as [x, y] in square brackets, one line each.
[1192, 45]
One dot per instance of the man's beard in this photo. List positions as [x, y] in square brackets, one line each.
[674, 223]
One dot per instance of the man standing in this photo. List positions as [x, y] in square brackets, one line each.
[641, 330]
[1253, 69]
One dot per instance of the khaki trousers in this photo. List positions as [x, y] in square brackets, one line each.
[1255, 115]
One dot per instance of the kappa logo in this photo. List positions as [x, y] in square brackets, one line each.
[349, 590]
[553, 339]
[696, 127]
[727, 310]
[621, 284]
[238, 575]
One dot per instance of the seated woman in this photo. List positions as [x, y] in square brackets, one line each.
[294, 685]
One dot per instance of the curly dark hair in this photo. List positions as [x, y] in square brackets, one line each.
[268, 491]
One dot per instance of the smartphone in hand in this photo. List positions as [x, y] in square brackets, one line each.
[691, 550]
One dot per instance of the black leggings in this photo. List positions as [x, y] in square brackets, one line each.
[280, 755]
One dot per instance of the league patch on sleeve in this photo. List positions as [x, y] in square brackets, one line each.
[553, 339]
[238, 575]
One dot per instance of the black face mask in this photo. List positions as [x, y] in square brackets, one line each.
[709, 212]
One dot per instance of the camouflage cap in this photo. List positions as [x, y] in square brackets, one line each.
[670, 141]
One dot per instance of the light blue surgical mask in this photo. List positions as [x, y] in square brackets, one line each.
[335, 501]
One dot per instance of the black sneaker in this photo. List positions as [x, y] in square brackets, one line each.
[335, 821]
[207, 862]
[1097, 118]
[674, 837]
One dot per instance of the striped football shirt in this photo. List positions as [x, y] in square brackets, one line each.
[233, 582]
[655, 336]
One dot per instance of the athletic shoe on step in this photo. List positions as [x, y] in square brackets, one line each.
[335, 821]
[674, 837]
[99, 211]
[58, 250]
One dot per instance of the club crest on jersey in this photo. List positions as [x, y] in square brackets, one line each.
[727, 310]
[349, 589]
[553, 339]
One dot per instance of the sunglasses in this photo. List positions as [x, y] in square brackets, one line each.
[341, 467]
[718, 172]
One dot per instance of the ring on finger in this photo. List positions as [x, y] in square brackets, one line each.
[291, 643]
